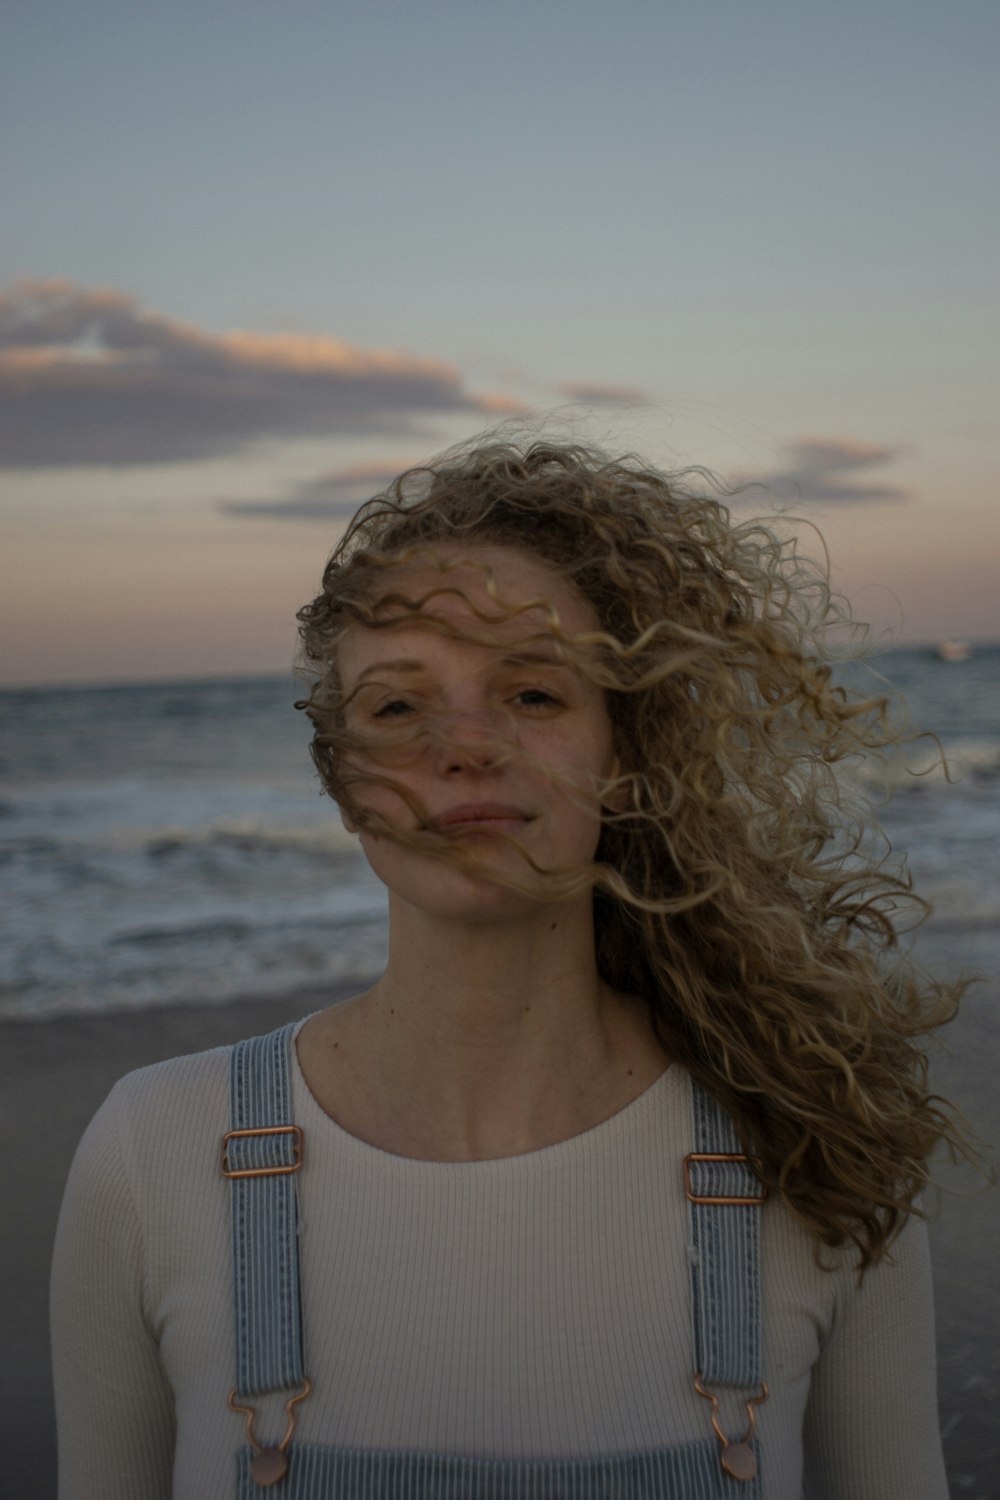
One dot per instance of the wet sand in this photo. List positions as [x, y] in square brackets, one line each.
[54, 1074]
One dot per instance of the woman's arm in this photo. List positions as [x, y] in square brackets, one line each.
[871, 1428]
[114, 1406]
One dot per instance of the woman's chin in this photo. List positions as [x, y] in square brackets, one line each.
[446, 892]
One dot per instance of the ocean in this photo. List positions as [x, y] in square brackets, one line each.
[167, 843]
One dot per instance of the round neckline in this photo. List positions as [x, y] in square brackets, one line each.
[541, 1157]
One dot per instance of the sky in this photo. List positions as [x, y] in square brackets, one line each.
[257, 257]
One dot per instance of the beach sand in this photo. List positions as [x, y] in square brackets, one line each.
[54, 1074]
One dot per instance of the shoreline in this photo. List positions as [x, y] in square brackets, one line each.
[54, 1073]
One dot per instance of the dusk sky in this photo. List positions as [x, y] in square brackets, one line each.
[256, 257]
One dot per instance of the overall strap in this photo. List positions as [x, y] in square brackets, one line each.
[262, 1153]
[724, 1199]
[724, 1216]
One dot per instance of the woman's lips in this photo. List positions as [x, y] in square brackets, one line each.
[498, 815]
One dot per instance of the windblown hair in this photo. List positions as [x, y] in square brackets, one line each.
[742, 893]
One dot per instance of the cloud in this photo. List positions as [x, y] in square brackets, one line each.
[823, 470]
[88, 378]
[330, 497]
[591, 394]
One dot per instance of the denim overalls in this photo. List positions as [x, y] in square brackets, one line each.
[262, 1153]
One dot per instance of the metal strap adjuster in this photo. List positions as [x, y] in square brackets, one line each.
[736, 1456]
[295, 1131]
[736, 1202]
[270, 1465]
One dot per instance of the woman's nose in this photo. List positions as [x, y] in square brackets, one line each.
[473, 736]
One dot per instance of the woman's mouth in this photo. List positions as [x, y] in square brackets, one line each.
[489, 816]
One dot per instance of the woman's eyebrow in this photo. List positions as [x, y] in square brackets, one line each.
[401, 664]
[536, 658]
[512, 659]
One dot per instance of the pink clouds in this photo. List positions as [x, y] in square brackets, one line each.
[831, 470]
[594, 393]
[88, 378]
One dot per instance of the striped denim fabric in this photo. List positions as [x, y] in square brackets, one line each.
[688, 1472]
[725, 1255]
[265, 1221]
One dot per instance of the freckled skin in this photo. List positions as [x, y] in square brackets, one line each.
[479, 730]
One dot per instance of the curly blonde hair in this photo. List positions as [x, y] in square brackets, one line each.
[741, 893]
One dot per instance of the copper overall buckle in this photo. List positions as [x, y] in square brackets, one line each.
[737, 1458]
[293, 1130]
[270, 1464]
[694, 1197]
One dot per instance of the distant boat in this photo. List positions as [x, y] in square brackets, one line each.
[954, 650]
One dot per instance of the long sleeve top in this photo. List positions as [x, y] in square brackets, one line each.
[535, 1306]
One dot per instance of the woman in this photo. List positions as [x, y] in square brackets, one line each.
[497, 1225]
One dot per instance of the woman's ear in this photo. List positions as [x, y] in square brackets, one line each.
[616, 800]
[345, 818]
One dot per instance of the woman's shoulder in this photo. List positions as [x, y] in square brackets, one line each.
[153, 1150]
[177, 1086]
[167, 1112]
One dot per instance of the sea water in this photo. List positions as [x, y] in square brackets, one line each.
[168, 843]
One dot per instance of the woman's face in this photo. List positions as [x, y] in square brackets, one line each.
[495, 739]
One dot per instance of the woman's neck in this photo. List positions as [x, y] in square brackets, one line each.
[481, 1040]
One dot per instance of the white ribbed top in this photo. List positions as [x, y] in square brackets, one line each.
[535, 1306]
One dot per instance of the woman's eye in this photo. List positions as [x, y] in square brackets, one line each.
[396, 708]
[536, 698]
